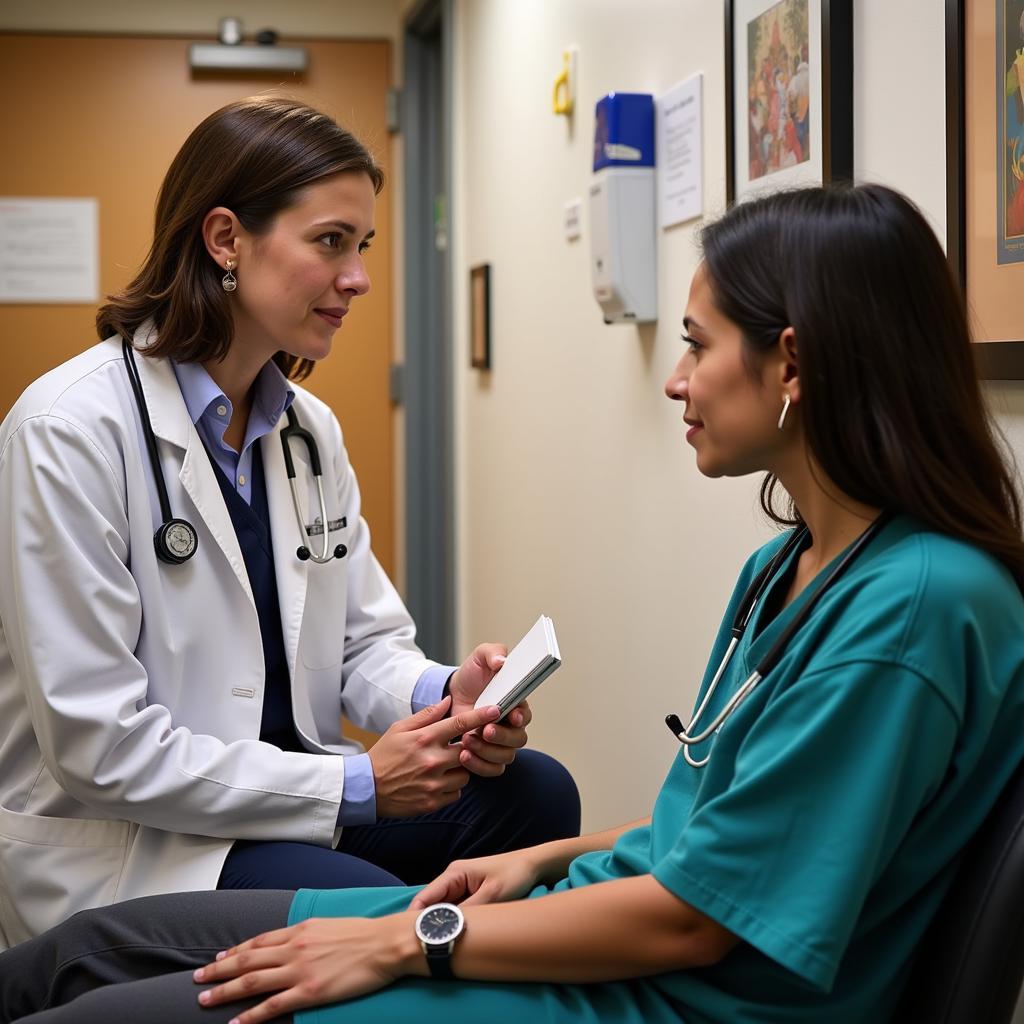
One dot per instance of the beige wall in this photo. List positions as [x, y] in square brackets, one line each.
[578, 496]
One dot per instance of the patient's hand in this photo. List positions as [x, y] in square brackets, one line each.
[505, 876]
[322, 960]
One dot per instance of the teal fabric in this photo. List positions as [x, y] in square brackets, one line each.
[826, 827]
[426, 1001]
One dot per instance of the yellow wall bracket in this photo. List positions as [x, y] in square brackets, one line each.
[564, 94]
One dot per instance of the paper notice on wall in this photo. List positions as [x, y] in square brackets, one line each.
[49, 250]
[680, 153]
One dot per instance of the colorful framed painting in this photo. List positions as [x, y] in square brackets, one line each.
[789, 94]
[480, 316]
[985, 175]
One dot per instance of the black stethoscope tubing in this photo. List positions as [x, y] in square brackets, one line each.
[176, 540]
[744, 612]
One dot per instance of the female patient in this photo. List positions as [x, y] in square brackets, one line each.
[796, 853]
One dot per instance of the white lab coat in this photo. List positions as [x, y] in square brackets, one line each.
[131, 691]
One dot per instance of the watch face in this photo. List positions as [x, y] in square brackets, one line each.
[439, 924]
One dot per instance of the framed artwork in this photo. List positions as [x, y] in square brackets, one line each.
[789, 94]
[480, 316]
[985, 175]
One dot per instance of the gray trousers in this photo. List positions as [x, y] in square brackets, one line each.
[134, 961]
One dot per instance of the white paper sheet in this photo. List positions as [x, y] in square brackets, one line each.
[49, 250]
[680, 152]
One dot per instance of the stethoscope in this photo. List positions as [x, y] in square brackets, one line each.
[744, 613]
[176, 540]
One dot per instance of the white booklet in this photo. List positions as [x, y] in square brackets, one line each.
[528, 664]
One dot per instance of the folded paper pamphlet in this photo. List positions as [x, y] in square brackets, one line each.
[528, 664]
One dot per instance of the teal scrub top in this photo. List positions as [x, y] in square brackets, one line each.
[825, 829]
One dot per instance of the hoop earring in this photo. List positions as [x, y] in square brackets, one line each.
[785, 410]
[228, 282]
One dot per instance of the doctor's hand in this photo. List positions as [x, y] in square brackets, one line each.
[416, 767]
[487, 751]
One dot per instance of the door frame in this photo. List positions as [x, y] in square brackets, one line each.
[426, 124]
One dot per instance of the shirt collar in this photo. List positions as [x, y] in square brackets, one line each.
[273, 394]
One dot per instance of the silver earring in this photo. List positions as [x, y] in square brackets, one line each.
[785, 409]
[228, 282]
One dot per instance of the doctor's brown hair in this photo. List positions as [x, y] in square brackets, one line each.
[890, 400]
[254, 156]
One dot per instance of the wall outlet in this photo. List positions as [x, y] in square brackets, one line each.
[573, 219]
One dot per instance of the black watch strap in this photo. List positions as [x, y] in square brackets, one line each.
[439, 960]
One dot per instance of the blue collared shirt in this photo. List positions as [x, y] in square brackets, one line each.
[210, 410]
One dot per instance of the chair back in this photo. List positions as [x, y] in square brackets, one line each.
[971, 963]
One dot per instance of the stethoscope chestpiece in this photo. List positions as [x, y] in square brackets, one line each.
[175, 541]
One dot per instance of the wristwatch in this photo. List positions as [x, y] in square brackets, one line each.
[438, 927]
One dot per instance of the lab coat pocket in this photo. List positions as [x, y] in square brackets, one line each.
[50, 868]
[316, 704]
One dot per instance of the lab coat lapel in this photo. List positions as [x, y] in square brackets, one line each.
[284, 531]
[198, 479]
[171, 422]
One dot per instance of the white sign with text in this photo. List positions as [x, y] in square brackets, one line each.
[680, 156]
[49, 250]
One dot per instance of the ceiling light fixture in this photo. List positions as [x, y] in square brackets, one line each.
[231, 54]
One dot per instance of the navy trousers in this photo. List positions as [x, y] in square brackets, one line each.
[534, 801]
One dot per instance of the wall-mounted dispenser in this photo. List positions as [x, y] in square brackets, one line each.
[623, 222]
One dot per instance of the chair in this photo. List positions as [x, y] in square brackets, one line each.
[971, 963]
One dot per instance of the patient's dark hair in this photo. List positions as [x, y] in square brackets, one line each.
[254, 156]
[890, 399]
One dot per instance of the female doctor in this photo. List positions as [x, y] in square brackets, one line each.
[172, 705]
[812, 822]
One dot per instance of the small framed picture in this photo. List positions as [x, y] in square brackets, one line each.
[789, 94]
[480, 316]
[985, 175]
